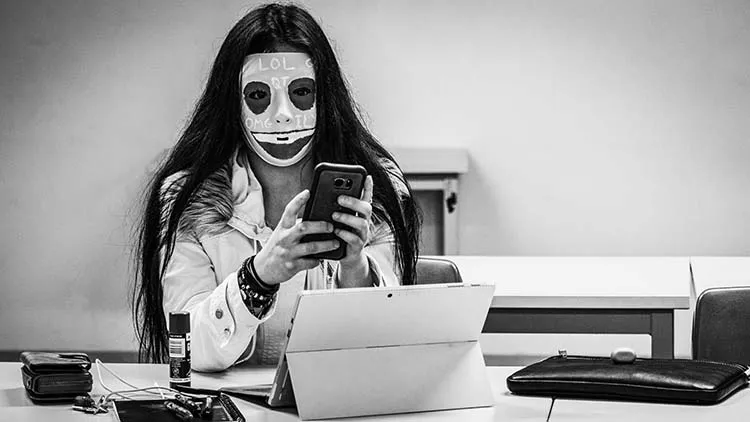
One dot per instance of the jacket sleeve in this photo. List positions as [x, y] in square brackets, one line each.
[381, 255]
[221, 326]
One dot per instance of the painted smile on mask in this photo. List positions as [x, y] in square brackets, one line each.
[283, 148]
[278, 106]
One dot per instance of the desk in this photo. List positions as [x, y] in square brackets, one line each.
[719, 271]
[583, 295]
[437, 169]
[734, 408]
[15, 406]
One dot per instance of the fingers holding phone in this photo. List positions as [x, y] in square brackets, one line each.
[284, 255]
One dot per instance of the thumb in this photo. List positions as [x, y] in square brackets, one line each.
[368, 190]
[293, 208]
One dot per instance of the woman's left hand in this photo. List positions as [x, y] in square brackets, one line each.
[357, 233]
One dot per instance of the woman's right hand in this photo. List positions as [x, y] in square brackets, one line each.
[284, 255]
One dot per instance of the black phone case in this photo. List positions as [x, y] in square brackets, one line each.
[323, 201]
[154, 410]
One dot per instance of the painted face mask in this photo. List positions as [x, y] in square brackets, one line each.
[278, 106]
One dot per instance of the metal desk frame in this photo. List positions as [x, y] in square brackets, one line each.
[659, 323]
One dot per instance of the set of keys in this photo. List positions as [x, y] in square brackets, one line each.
[186, 408]
[87, 404]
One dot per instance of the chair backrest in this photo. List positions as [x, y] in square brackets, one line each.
[721, 325]
[437, 271]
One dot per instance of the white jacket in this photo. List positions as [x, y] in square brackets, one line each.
[201, 278]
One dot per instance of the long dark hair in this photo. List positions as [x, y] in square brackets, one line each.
[213, 133]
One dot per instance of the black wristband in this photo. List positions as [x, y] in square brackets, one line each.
[258, 296]
[265, 287]
[249, 278]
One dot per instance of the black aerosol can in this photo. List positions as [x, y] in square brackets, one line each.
[179, 349]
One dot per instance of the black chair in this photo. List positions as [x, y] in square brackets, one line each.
[437, 271]
[721, 325]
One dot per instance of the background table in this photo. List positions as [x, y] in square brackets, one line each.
[15, 406]
[719, 271]
[584, 295]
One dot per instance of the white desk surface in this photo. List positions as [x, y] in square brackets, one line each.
[719, 271]
[15, 406]
[581, 282]
[734, 408]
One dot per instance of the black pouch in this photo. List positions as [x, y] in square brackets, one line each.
[55, 377]
[680, 381]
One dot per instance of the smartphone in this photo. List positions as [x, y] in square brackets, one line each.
[330, 181]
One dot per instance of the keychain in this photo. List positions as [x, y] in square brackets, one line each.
[185, 407]
[86, 404]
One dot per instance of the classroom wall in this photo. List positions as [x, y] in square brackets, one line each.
[593, 128]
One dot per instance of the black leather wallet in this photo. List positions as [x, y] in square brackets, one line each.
[55, 377]
[680, 381]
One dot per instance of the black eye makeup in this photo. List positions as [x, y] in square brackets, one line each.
[257, 96]
[302, 93]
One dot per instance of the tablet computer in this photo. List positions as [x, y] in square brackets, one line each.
[345, 324]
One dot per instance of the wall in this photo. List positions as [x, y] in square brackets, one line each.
[594, 128]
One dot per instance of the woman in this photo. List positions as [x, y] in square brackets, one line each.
[220, 235]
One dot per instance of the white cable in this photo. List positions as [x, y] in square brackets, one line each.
[134, 389]
[99, 365]
[156, 384]
[121, 393]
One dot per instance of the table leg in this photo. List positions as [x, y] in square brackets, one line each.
[662, 334]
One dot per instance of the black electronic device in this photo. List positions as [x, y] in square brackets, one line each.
[330, 181]
[222, 409]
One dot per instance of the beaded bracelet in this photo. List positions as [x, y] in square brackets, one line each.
[257, 295]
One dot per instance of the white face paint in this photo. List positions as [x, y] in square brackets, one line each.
[278, 106]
